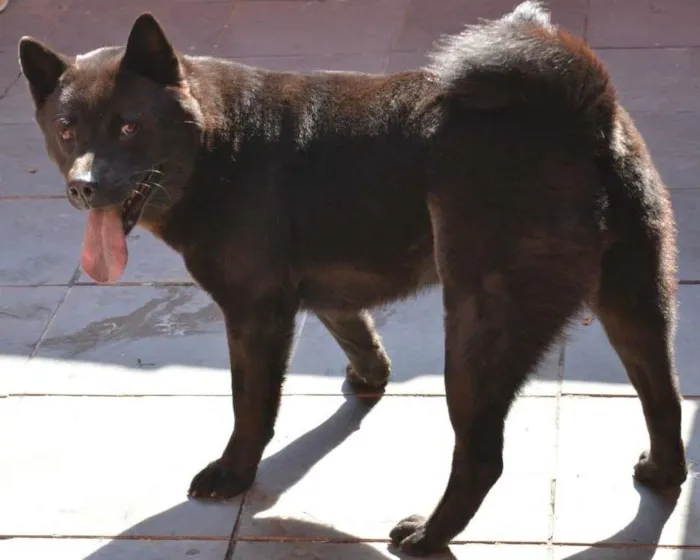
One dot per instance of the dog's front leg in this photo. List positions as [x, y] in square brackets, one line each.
[259, 338]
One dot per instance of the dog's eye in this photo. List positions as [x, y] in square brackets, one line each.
[66, 134]
[128, 129]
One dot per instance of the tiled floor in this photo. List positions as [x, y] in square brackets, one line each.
[111, 398]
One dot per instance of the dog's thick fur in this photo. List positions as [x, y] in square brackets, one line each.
[506, 171]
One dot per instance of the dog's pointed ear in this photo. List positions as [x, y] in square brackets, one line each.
[150, 54]
[42, 68]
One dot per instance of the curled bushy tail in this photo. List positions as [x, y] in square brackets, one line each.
[522, 59]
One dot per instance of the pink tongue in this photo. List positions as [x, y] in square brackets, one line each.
[104, 246]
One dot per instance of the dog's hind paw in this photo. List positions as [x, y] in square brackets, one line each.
[219, 481]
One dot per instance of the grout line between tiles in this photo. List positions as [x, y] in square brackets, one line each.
[586, 20]
[31, 286]
[231, 548]
[322, 540]
[401, 26]
[688, 397]
[155, 284]
[250, 59]
[369, 396]
[691, 111]
[349, 540]
[47, 537]
[8, 88]
[359, 540]
[225, 28]
[395, 38]
[635, 546]
[30, 197]
[423, 51]
[42, 336]
[642, 47]
[555, 451]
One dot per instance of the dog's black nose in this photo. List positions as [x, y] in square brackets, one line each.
[82, 190]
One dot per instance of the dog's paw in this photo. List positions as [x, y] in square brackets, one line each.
[371, 380]
[219, 481]
[409, 536]
[659, 477]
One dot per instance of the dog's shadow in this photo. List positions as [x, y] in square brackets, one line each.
[291, 463]
[643, 531]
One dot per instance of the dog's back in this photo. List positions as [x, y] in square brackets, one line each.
[513, 123]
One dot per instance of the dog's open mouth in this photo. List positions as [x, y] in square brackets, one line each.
[105, 253]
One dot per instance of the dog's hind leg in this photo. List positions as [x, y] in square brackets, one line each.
[369, 366]
[636, 304]
[638, 316]
[504, 307]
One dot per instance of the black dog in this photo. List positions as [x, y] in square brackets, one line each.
[507, 171]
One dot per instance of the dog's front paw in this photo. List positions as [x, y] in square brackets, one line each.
[659, 477]
[371, 380]
[410, 537]
[219, 480]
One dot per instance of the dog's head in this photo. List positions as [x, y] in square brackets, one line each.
[123, 129]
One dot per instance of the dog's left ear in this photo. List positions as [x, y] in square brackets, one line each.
[150, 54]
